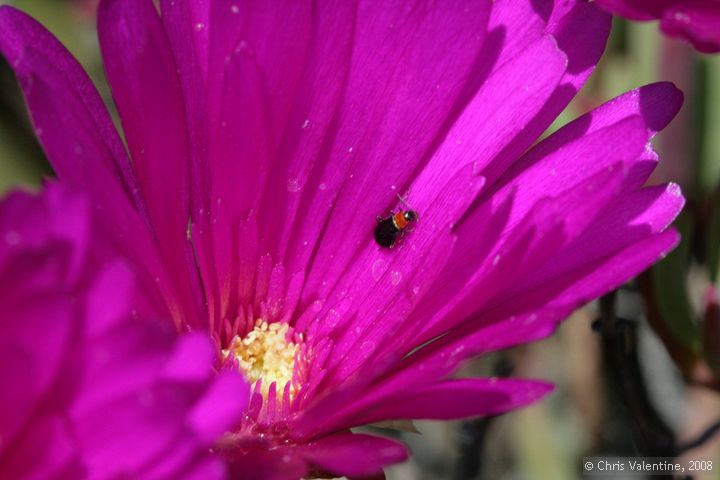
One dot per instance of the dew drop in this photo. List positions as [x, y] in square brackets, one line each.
[367, 348]
[416, 290]
[199, 27]
[395, 277]
[333, 318]
[322, 186]
[378, 268]
[235, 9]
[305, 124]
[293, 185]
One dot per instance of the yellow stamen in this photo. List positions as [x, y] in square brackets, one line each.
[265, 353]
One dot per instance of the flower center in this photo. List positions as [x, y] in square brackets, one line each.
[266, 354]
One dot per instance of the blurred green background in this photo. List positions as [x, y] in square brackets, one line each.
[638, 387]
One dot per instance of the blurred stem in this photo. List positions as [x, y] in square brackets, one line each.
[470, 446]
[472, 435]
[653, 438]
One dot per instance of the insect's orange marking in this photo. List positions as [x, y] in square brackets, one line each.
[399, 221]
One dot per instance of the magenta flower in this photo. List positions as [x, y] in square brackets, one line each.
[88, 389]
[695, 20]
[264, 138]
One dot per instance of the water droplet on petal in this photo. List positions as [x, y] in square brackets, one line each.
[322, 186]
[199, 27]
[333, 318]
[395, 277]
[235, 9]
[367, 348]
[378, 268]
[305, 124]
[293, 185]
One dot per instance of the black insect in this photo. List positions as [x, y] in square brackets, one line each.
[388, 229]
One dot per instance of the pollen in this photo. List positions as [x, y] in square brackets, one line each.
[266, 354]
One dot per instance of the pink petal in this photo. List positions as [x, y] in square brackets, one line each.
[29, 371]
[460, 398]
[221, 407]
[46, 451]
[551, 224]
[353, 454]
[629, 219]
[500, 110]
[581, 31]
[696, 20]
[22, 35]
[143, 77]
[186, 25]
[654, 105]
[637, 9]
[398, 80]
